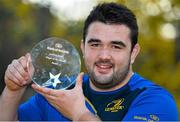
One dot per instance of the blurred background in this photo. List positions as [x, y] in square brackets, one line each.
[23, 23]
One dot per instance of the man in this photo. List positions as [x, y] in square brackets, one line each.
[111, 91]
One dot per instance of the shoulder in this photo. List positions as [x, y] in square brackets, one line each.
[152, 90]
[155, 95]
[153, 102]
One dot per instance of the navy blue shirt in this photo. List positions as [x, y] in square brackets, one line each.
[138, 100]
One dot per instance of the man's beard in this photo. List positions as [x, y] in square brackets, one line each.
[106, 82]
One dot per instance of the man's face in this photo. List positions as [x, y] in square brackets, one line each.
[107, 54]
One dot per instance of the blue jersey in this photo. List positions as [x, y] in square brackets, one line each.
[138, 100]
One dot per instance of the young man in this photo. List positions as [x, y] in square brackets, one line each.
[111, 91]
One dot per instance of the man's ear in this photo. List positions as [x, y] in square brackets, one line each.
[82, 46]
[135, 52]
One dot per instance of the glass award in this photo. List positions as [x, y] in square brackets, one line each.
[54, 63]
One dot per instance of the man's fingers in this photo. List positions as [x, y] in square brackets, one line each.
[20, 68]
[30, 67]
[8, 76]
[28, 56]
[44, 91]
[14, 75]
[10, 83]
[23, 61]
[47, 96]
[79, 80]
[50, 94]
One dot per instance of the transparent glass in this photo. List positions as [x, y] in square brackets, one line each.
[54, 63]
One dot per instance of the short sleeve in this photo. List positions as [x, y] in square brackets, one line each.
[32, 109]
[153, 105]
[38, 109]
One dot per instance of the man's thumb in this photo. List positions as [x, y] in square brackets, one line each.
[79, 80]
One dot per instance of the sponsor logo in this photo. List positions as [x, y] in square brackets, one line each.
[154, 117]
[115, 105]
[150, 118]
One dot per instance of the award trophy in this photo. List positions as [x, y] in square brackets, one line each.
[54, 63]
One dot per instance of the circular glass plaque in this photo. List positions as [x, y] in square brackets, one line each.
[54, 63]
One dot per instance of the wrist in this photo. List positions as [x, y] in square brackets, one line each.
[8, 93]
[87, 116]
[9, 102]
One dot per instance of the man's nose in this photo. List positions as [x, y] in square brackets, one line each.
[105, 54]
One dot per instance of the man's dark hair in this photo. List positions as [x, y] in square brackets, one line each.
[113, 13]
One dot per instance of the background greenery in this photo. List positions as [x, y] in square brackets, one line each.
[23, 25]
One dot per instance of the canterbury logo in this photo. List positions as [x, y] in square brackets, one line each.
[115, 105]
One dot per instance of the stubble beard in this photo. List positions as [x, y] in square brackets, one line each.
[106, 82]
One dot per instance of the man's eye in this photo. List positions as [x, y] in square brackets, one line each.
[116, 47]
[94, 45]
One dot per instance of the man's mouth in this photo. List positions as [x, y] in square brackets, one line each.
[104, 68]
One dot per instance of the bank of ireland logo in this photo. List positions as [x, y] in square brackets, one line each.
[58, 45]
[115, 105]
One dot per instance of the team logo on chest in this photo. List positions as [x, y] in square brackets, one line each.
[115, 105]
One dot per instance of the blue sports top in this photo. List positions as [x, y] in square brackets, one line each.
[138, 100]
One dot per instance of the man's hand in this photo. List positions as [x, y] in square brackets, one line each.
[16, 75]
[16, 79]
[71, 103]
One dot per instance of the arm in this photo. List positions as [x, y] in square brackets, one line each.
[9, 102]
[16, 79]
[70, 103]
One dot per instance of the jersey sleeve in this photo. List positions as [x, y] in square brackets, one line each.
[38, 109]
[32, 109]
[153, 105]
